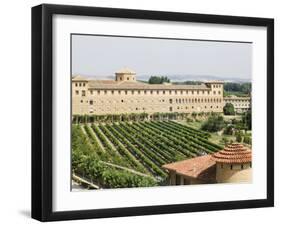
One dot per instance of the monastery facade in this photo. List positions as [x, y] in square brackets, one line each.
[127, 95]
[240, 104]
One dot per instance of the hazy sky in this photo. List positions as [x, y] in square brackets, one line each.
[102, 56]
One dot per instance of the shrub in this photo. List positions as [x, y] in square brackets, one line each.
[228, 130]
[213, 124]
[239, 137]
[247, 140]
[228, 109]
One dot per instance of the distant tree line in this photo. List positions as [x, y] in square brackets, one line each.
[244, 88]
[158, 79]
[188, 83]
[230, 88]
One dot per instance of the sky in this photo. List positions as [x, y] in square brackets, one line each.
[101, 56]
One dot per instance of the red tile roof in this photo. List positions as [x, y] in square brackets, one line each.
[233, 153]
[202, 167]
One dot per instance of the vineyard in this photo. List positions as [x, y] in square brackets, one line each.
[126, 154]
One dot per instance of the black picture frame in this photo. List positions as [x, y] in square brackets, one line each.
[42, 111]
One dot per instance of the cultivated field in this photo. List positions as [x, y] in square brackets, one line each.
[131, 154]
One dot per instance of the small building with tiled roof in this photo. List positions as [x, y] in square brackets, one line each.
[125, 74]
[233, 164]
[198, 170]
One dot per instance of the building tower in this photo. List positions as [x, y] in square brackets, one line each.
[80, 86]
[125, 74]
[233, 164]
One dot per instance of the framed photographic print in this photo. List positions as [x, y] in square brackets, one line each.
[145, 112]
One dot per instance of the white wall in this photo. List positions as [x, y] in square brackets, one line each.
[15, 117]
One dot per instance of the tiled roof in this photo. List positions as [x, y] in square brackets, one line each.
[232, 97]
[215, 81]
[79, 78]
[111, 84]
[233, 153]
[202, 167]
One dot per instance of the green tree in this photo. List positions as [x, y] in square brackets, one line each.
[247, 120]
[228, 109]
[213, 124]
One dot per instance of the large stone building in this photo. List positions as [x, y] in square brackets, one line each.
[240, 104]
[233, 164]
[127, 95]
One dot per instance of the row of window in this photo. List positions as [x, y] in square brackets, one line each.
[171, 109]
[241, 105]
[83, 84]
[235, 101]
[80, 84]
[171, 101]
[163, 92]
[128, 78]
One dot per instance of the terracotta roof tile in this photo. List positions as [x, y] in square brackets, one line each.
[233, 153]
[202, 167]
